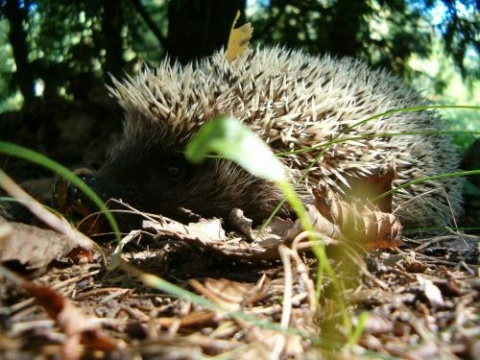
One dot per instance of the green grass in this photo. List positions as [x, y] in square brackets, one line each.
[37, 158]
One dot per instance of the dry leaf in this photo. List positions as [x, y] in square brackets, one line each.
[205, 229]
[240, 222]
[79, 329]
[197, 318]
[321, 224]
[53, 221]
[209, 235]
[431, 291]
[32, 245]
[377, 324]
[358, 221]
[231, 294]
[239, 39]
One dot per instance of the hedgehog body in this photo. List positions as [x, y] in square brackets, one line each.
[293, 101]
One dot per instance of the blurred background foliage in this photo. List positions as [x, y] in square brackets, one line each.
[57, 49]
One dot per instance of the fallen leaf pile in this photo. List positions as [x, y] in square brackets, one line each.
[263, 306]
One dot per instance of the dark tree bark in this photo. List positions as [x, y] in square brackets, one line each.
[198, 28]
[112, 23]
[346, 27]
[16, 16]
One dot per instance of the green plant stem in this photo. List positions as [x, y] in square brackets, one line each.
[34, 157]
[318, 250]
[428, 178]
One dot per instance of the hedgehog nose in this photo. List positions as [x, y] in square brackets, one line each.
[73, 203]
[68, 197]
[75, 193]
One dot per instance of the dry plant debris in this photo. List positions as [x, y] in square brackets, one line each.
[422, 300]
[34, 246]
[238, 40]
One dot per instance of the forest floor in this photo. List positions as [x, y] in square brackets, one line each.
[420, 301]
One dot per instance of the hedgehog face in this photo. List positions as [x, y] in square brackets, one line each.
[161, 181]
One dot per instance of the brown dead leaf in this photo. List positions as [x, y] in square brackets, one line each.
[32, 245]
[376, 324]
[55, 222]
[412, 265]
[239, 39]
[197, 318]
[370, 189]
[208, 229]
[209, 235]
[358, 221]
[214, 241]
[322, 224]
[79, 329]
[240, 222]
[205, 229]
[231, 294]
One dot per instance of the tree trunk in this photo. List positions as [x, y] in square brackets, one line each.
[198, 28]
[16, 16]
[112, 23]
[346, 27]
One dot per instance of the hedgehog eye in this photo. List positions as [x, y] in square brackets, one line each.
[175, 171]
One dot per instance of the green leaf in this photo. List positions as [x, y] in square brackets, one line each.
[231, 139]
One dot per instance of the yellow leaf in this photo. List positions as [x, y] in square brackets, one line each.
[238, 40]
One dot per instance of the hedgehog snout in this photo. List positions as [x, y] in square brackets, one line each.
[75, 194]
[72, 201]
[66, 195]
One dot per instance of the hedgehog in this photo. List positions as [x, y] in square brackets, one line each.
[312, 110]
